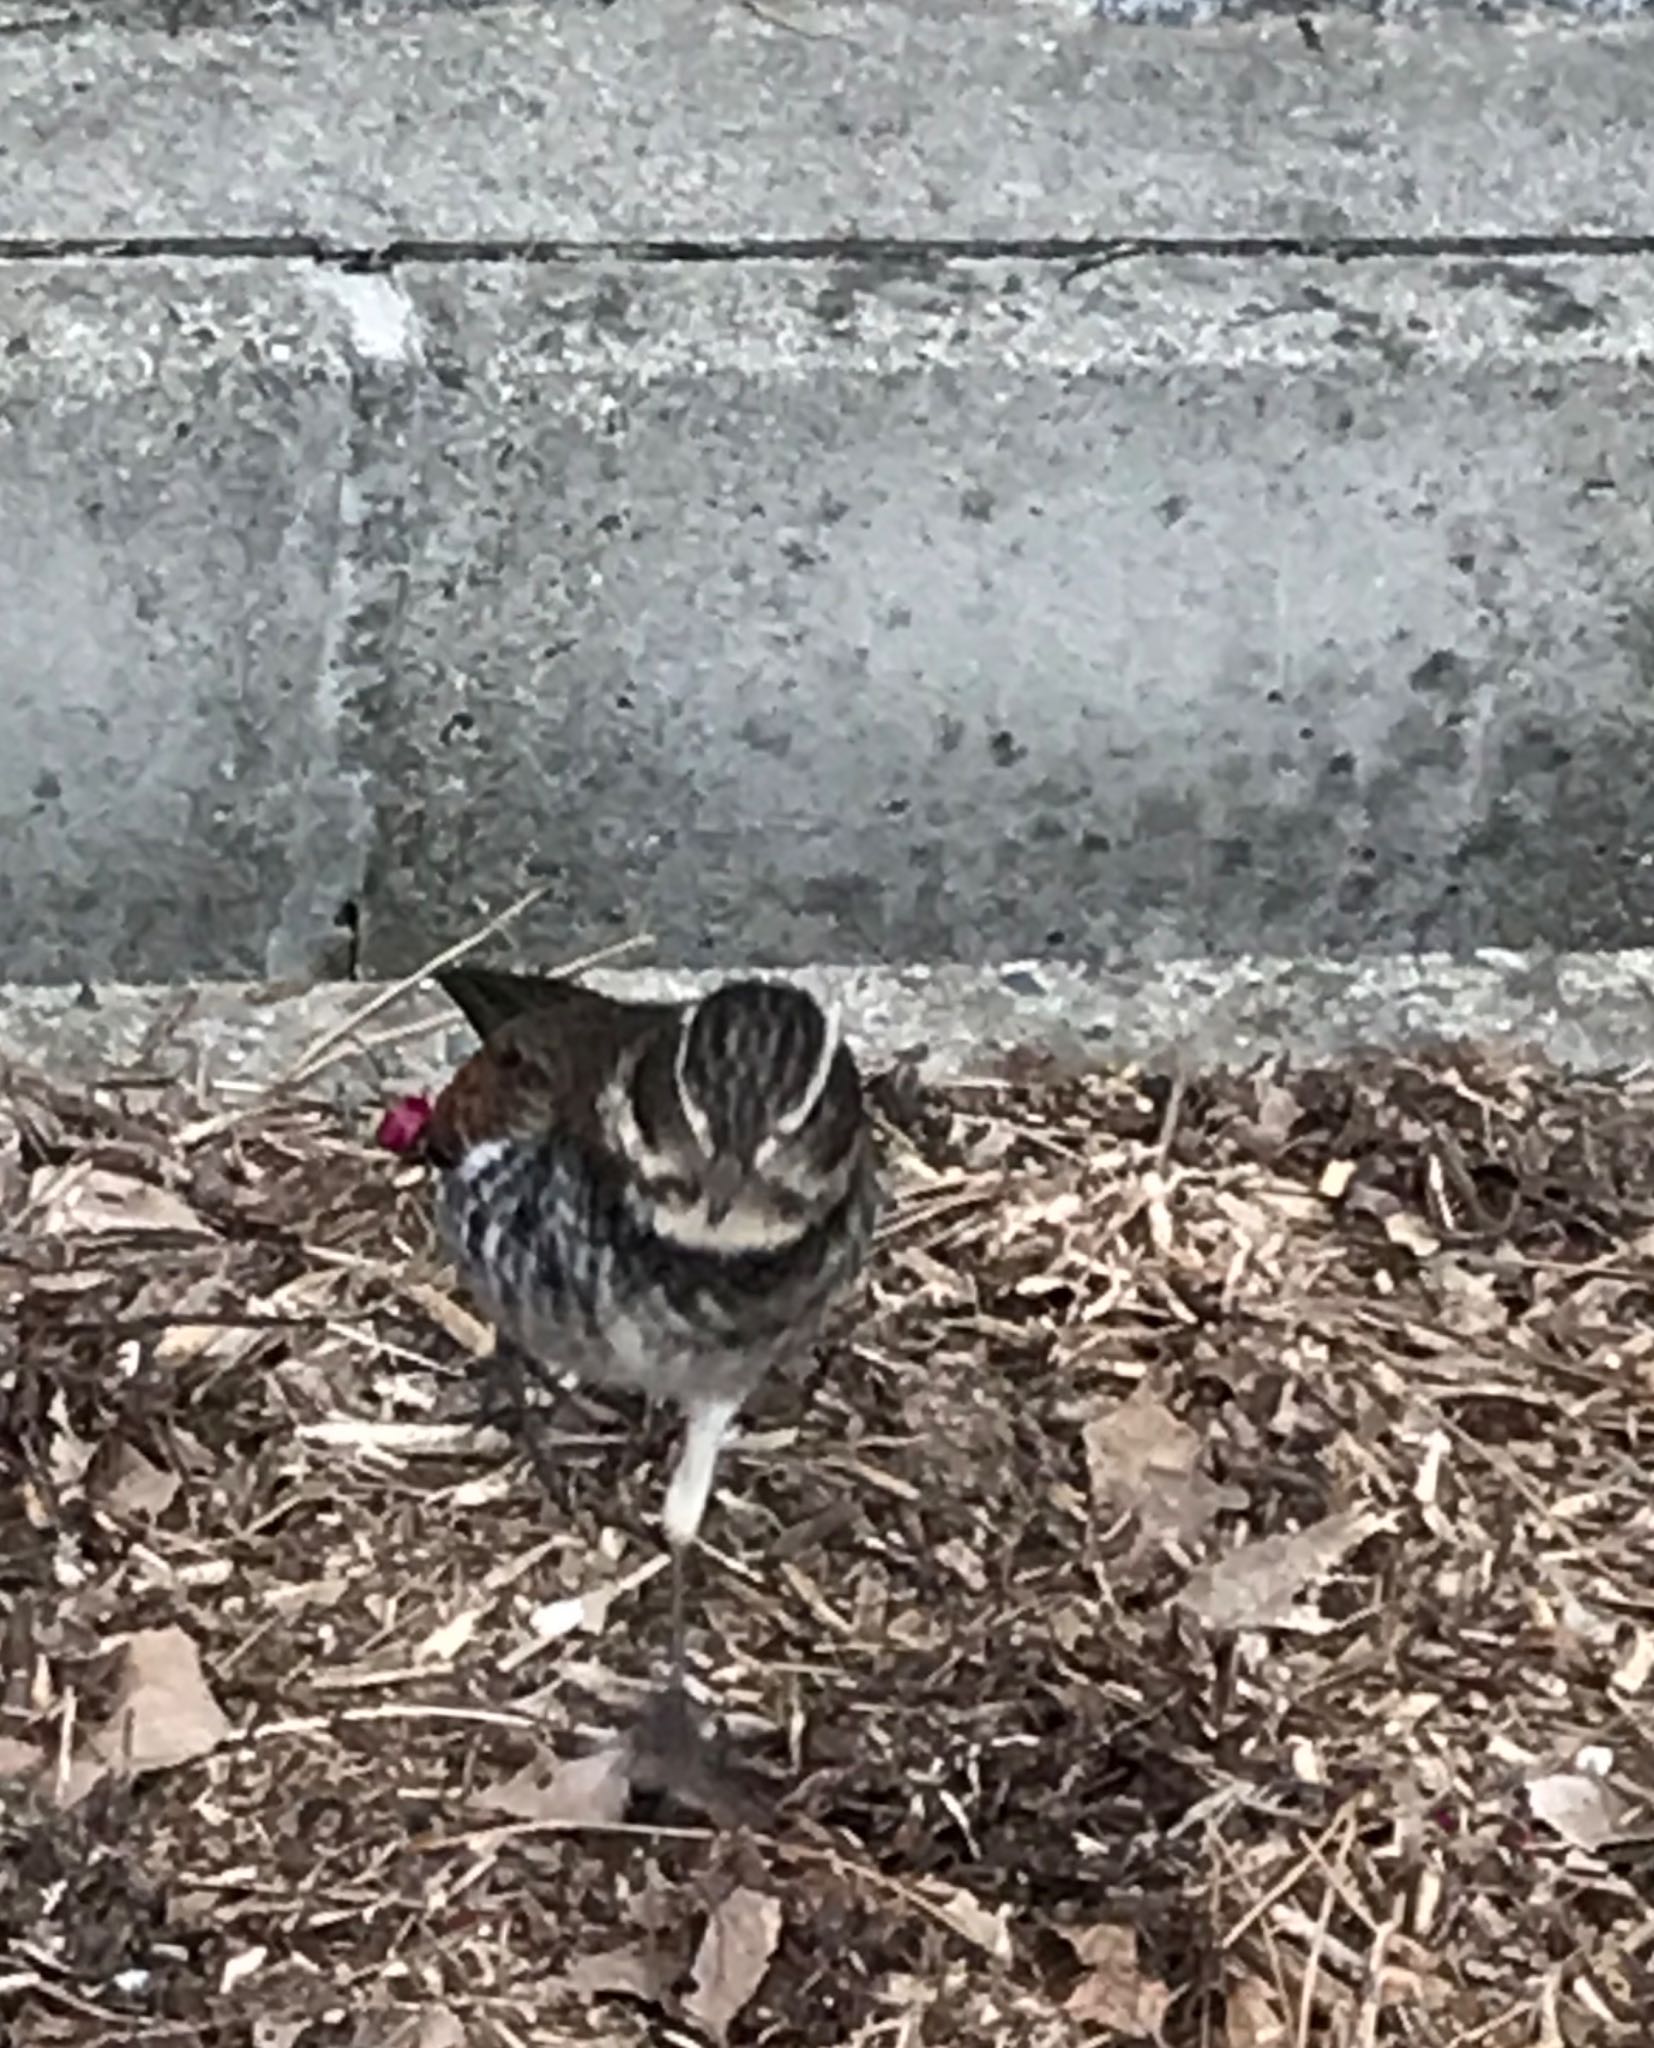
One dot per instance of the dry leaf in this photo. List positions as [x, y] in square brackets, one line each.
[1142, 1460]
[1276, 1111]
[1580, 1807]
[439, 2027]
[79, 1200]
[1114, 1993]
[283, 2033]
[633, 1972]
[1470, 1304]
[18, 1759]
[586, 1791]
[1252, 2017]
[733, 1956]
[164, 1712]
[967, 1916]
[134, 1486]
[69, 1457]
[1257, 1585]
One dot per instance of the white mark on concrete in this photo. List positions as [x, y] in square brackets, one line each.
[384, 326]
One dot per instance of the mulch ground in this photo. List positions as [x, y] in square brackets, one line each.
[1202, 1594]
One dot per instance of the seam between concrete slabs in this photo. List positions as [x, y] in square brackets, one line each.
[1085, 252]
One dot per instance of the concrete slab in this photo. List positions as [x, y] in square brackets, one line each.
[173, 463]
[1177, 608]
[680, 122]
[1588, 1011]
[824, 611]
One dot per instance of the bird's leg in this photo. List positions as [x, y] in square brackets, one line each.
[505, 1404]
[677, 1676]
[670, 1747]
[706, 1427]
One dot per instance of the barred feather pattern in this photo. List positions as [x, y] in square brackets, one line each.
[558, 1247]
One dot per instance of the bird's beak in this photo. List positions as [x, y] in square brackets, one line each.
[725, 1178]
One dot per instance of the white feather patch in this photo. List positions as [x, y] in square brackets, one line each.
[802, 1110]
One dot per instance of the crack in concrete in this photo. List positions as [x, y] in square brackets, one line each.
[1085, 252]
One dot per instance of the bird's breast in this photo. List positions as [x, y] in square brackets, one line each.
[564, 1254]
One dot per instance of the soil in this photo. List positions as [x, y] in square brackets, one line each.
[1200, 1595]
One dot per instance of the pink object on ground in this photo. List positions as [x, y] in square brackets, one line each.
[402, 1127]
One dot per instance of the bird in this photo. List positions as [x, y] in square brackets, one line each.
[667, 1196]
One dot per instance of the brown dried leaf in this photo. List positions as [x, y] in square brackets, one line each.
[69, 1458]
[636, 1971]
[585, 1791]
[434, 2026]
[268, 2033]
[1470, 1304]
[164, 1712]
[82, 1200]
[1257, 1585]
[1252, 2017]
[734, 1954]
[130, 1485]
[1141, 1459]
[1277, 1110]
[968, 1917]
[1114, 1993]
[1584, 1810]
[18, 1759]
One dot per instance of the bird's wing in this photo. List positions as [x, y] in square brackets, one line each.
[490, 997]
[550, 1048]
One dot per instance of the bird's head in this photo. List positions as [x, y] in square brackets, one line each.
[740, 1122]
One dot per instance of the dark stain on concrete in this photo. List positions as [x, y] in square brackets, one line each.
[1444, 675]
[843, 895]
[766, 736]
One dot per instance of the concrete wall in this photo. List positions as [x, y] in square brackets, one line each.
[942, 485]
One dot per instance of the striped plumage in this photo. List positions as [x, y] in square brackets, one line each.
[663, 1196]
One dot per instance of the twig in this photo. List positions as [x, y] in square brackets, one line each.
[332, 1043]
[1278, 1891]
